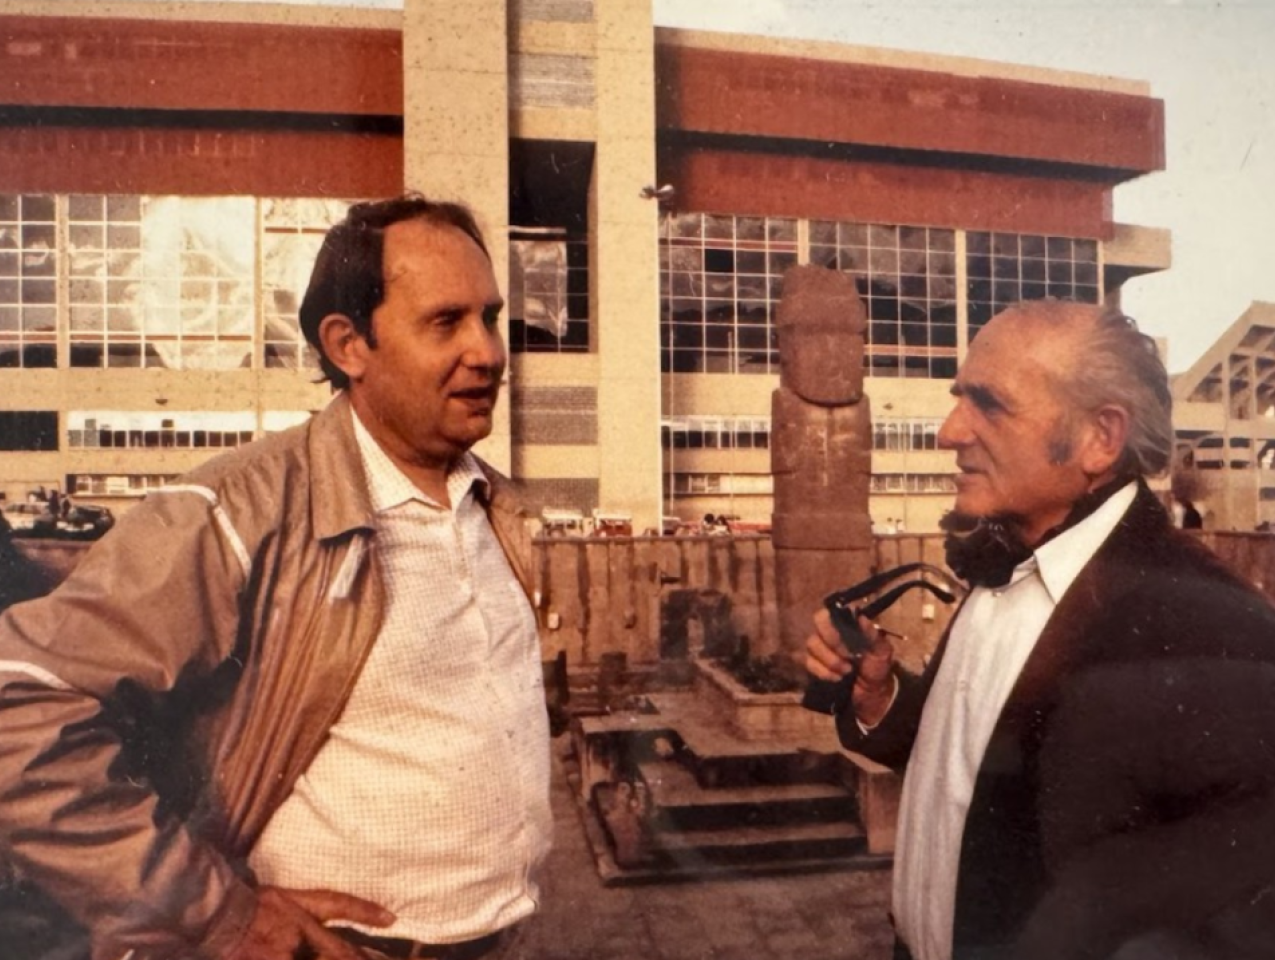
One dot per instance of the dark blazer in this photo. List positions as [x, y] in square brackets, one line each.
[1127, 796]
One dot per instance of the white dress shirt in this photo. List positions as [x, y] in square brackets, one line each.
[990, 642]
[431, 795]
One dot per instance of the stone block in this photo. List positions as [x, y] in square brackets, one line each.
[803, 578]
[879, 791]
[808, 492]
[823, 443]
[845, 529]
[756, 716]
[820, 322]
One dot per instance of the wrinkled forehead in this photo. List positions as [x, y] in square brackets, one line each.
[1024, 349]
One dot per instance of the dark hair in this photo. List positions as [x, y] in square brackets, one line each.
[348, 276]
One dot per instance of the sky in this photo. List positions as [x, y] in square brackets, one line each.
[1209, 60]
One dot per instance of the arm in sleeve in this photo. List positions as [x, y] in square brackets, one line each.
[155, 600]
[890, 741]
[1160, 785]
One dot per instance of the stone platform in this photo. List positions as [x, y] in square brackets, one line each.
[825, 915]
[717, 781]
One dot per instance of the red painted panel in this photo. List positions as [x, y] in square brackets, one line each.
[200, 162]
[175, 65]
[723, 92]
[722, 181]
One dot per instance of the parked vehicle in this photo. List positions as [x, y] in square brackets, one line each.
[36, 518]
[556, 522]
[610, 524]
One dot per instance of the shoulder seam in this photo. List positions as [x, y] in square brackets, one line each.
[223, 520]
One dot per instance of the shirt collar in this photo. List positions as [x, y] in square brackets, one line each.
[1061, 559]
[389, 487]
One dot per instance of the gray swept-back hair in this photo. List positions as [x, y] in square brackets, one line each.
[1117, 364]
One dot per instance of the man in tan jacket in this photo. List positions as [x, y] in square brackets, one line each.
[292, 706]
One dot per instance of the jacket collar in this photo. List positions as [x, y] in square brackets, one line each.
[339, 499]
[1116, 568]
[1060, 560]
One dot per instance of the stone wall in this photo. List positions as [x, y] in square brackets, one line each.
[608, 595]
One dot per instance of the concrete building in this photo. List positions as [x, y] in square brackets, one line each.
[1224, 418]
[166, 172]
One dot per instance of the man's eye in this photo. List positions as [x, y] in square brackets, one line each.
[984, 400]
[491, 318]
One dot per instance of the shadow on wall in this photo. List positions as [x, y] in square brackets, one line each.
[696, 623]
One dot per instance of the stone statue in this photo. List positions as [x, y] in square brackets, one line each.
[821, 447]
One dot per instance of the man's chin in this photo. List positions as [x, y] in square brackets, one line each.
[474, 430]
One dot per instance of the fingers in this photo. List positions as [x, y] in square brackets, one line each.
[325, 905]
[826, 656]
[321, 906]
[877, 664]
[288, 925]
[328, 905]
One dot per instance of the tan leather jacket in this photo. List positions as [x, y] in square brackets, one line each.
[158, 707]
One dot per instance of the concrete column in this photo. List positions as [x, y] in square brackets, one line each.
[456, 130]
[626, 269]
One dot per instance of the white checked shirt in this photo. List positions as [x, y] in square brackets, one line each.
[990, 643]
[431, 795]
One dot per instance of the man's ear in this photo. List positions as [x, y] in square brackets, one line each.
[343, 345]
[1108, 434]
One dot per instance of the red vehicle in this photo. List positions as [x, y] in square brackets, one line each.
[607, 524]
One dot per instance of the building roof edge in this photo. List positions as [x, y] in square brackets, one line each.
[903, 59]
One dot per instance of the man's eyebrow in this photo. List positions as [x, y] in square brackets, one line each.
[982, 397]
[445, 307]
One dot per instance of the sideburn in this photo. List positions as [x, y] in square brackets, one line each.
[1060, 446]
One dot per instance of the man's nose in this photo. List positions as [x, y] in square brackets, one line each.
[955, 431]
[484, 346]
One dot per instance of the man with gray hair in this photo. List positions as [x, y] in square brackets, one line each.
[1089, 759]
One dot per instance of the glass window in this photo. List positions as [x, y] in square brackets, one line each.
[184, 430]
[292, 231]
[740, 433]
[157, 281]
[162, 281]
[720, 282]
[1026, 267]
[117, 485]
[905, 433]
[549, 292]
[905, 277]
[30, 430]
[28, 281]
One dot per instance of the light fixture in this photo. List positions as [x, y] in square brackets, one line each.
[663, 194]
